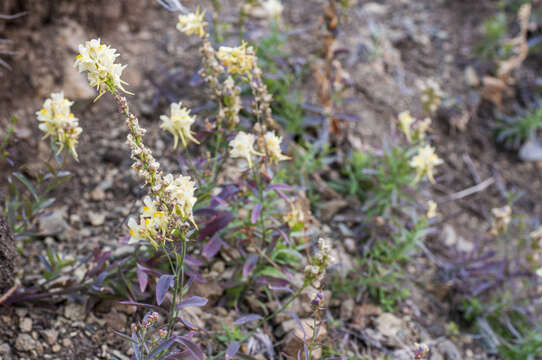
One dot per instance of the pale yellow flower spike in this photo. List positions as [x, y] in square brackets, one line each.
[98, 61]
[424, 162]
[239, 60]
[192, 23]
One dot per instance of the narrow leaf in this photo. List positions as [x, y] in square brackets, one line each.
[164, 282]
[143, 279]
[232, 349]
[192, 301]
[212, 247]
[256, 213]
[247, 318]
[251, 261]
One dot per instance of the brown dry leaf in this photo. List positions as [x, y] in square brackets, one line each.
[493, 90]
[519, 44]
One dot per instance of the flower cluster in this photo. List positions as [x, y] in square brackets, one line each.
[192, 23]
[57, 121]
[420, 129]
[501, 218]
[424, 162]
[153, 223]
[421, 351]
[315, 273]
[178, 124]
[99, 61]
[148, 321]
[181, 197]
[431, 96]
[239, 60]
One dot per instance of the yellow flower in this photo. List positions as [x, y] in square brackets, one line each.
[192, 23]
[137, 231]
[178, 124]
[98, 61]
[422, 127]
[57, 121]
[501, 218]
[181, 190]
[243, 146]
[272, 145]
[405, 122]
[431, 209]
[424, 162]
[238, 60]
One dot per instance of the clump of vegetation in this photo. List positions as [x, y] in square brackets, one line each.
[512, 132]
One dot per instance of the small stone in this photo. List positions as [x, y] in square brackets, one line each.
[74, 312]
[531, 151]
[347, 309]
[50, 336]
[96, 219]
[66, 342]
[218, 267]
[56, 348]
[5, 350]
[116, 320]
[471, 78]
[374, 8]
[25, 325]
[294, 341]
[53, 223]
[97, 194]
[24, 342]
[449, 350]
[350, 245]
[391, 327]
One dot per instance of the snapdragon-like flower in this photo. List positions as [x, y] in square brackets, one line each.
[57, 121]
[501, 219]
[424, 162]
[98, 61]
[178, 124]
[153, 223]
[272, 145]
[181, 192]
[192, 23]
[239, 60]
[405, 122]
[273, 8]
[243, 146]
[422, 128]
[431, 209]
[431, 96]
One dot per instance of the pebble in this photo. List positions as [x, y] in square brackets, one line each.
[350, 245]
[25, 325]
[24, 342]
[96, 219]
[97, 194]
[50, 336]
[56, 348]
[66, 342]
[5, 349]
[73, 312]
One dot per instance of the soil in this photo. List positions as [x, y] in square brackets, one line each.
[385, 45]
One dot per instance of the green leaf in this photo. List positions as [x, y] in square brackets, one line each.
[272, 272]
[28, 185]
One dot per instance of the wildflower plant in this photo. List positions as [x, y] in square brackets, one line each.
[183, 211]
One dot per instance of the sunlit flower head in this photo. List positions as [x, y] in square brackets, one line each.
[192, 23]
[178, 124]
[181, 191]
[57, 121]
[98, 61]
[405, 123]
[273, 8]
[238, 60]
[424, 162]
[272, 146]
[243, 146]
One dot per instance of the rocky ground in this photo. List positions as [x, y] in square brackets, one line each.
[414, 40]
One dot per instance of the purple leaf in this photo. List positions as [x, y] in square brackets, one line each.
[284, 236]
[281, 194]
[162, 287]
[154, 307]
[192, 261]
[206, 212]
[251, 261]
[142, 278]
[218, 223]
[191, 347]
[232, 349]
[256, 213]
[247, 318]
[192, 301]
[212, 247]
